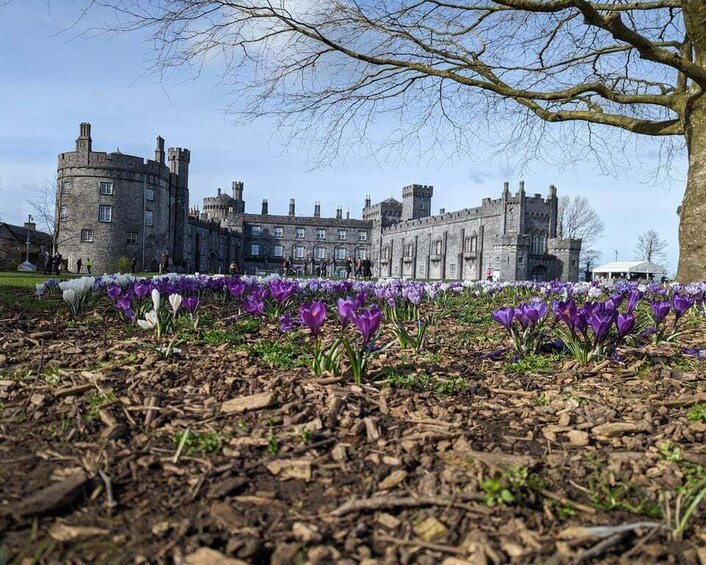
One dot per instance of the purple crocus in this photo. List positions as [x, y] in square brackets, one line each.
[254, 304]
[346, 309]
[286, 323]
[114, 291]
[368, 322]
[634, 297]
[601, 324]
[313, 315]
[190, 303]
[504, 316]
[282, 290]
[681, 304]
[660, 309]
[141, 289]
[124, 304]
[624, 323]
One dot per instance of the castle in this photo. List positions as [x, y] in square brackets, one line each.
[112, 205]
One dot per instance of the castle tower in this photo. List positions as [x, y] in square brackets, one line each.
[179, 198]
[238, 187]
[84, 143]
[416, 201]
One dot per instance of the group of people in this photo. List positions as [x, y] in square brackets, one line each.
[53, 263]
[363, 268]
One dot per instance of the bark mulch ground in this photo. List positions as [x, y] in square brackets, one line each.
[228, 450]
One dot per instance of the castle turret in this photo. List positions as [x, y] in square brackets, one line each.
[553, 211]
[84, 143]
[179, 202]
[159, 151]
[416, 201]
[238, 187]
[367, 201]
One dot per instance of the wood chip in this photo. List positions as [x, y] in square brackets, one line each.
[393, 479]
[247, 403]
[577, 437]
[617, 429]
[430, 530]
[290, 468]
[63, 532]
[208, 556]
[55, 497]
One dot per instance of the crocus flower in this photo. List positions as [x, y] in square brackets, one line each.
[504, 316]
[282, 290]
[624, 323]
[600, 324]
[346, 309]
[286, 324]
[190, 303]
[155, 299]
[368, 322]
[114, 291]
[151, 321]
[681, 304]
[254, 305]
[660, 309]
[634, 297]
[141, 289]
[175, 302]
[313, 315]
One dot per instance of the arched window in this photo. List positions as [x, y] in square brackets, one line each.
[409, 252]
[538, 242]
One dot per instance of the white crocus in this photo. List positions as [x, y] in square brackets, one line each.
[155, 299]
[175, 302]
[151, 320]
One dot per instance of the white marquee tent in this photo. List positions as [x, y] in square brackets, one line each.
[629, 270]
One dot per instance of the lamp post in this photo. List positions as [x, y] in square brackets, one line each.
[29, 222]
[616, 255]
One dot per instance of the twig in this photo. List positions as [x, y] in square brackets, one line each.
[426, 545]
[108, 490]
[525, 393]
[180, 448]
[379, 502]
[600, 547]
[567, 502]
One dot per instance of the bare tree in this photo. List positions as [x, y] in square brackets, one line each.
[46, 206]
[651, 247]
[594, 66]
[576, 219]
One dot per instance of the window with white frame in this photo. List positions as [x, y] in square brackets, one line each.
[149, 220]
[278, 250]
[362, 236]
[298, 251]
[342, 235]
[105, 213]
[320, 233]
[255, 231]
[131, 238]
[300, 233]
[149, 194]
[64, 214]
[87, 236]
[361, 253]
[341, 253]
[437, 247]
[409, 250]
[320, 252]
[66, 187]
[254, 249]
[106, 188]
[279, 231]
[452, 268]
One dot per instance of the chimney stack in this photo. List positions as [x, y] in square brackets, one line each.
[367, 201]
[291, 206]
[317, 209]
[159, 151]
[339, 213]
[264, 207]
[348, 214]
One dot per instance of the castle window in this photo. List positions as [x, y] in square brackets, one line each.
[66, 187]
[362, 236]
[361, 253]
[409, 251]
[149, 221]
[320, 252]
[438, 247]
[452, 268]
[341, 253]
[255, 249]
[320, 233]
[278, 251]
[342, 235]
[87, 236]
[537, 243]
[64, 214]
[300, 233]
[255, 231]
[279, 231]
[106, 188]
[149, 194]
[299, 251]
[105, 213]
[131, 238]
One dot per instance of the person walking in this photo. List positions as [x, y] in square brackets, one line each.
[48, 262]
[89, 264]
[349, 267]
[133, 265]
[57, 263]
[164, 264]
[79, 263]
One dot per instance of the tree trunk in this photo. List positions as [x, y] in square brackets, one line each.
[692, 217]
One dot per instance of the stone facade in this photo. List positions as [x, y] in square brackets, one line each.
[112, 205]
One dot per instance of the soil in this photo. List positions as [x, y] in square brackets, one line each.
[223, 448]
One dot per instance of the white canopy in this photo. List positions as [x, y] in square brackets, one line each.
[629, 269]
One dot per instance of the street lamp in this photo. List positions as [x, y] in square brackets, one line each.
[616, 255]
[29, 222]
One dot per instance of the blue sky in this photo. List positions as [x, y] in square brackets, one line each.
[52, 80]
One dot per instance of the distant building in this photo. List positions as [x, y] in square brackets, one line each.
[13, 245]
[111, 205]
